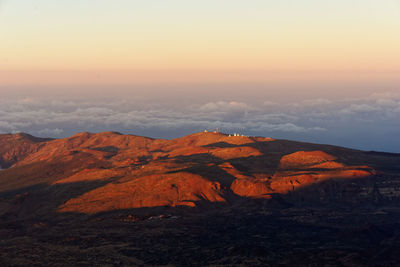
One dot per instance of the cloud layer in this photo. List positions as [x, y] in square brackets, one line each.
[350, 122]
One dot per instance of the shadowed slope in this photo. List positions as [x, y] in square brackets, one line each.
[206, 200]
[137, 172]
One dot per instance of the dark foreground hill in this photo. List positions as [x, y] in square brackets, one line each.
[203, 199]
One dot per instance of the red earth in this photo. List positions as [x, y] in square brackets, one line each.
[138, 172]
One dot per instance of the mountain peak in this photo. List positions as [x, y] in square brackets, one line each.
[212, 165]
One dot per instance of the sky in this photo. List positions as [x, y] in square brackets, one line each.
[312, 70]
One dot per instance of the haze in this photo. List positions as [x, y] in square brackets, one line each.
[318, 71]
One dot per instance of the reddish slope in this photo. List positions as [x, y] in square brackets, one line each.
[15, 147]
[306, 159]
[298, 170]
[176, 189]
[144, 172]
[100, 145]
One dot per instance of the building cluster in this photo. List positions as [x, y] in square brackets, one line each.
[229, 135]
[236, 134]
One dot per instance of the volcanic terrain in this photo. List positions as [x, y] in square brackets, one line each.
[204, 199]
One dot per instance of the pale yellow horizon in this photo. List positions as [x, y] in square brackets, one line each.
[64, 42]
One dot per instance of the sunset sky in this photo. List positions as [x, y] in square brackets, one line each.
[160, 53]
[175, 35]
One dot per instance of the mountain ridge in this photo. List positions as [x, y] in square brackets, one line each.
[251, 167]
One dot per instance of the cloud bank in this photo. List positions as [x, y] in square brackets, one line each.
[357, 122]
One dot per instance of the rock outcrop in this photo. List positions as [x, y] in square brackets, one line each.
[117, 171]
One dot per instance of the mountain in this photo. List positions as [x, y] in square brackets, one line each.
[91, 179]
[14, 147]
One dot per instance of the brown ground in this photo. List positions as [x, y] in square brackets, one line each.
[205, 186]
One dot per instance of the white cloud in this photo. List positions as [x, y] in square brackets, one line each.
[354, 108]
[268, 103]
[55, 118]
[225, 106]
[315, 102]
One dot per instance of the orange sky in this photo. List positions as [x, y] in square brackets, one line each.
[63, 42]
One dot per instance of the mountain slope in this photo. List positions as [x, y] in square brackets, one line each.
[205, 199]
[15, 147]
[126, 171]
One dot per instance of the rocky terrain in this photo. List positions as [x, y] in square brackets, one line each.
[203, 199]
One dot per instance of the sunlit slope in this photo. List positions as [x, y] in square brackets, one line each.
[91, 173]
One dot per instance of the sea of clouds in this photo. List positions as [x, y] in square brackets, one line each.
[371, 122]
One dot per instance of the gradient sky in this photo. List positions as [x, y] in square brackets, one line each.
[175, 35]
[157, 54]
